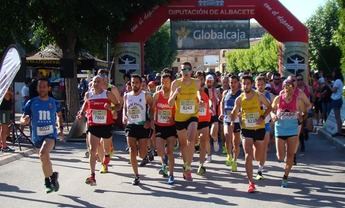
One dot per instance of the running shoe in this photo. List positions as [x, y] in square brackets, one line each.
[201, 170]
[136, 181]
[187, 175]
[171, 180]
[216, 146]
[48, 185]
[209, 159]
[234, 166]
[228, 161]
[284, 183]
[144, 162]
[7, 149]
[91, 181]
[163, 171]
[251, 188]
[54, 181]
[259, 176]
[104, 169]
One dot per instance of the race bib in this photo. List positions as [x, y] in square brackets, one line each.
[99, 116]
[134, 114]
[251, 119]
[202, 111]
[287, 115]
[164, 116]
[45, 130]
[187, 107]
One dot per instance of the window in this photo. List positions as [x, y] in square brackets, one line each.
[178, 59]
[224, 53]
[196, 59]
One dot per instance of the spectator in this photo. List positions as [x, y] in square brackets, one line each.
[337, 99]
[25, 92]
[6, 108]
[325, 97]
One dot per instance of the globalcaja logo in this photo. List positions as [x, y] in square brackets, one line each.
[216, 3]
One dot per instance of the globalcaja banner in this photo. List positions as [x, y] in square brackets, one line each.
[210, 34]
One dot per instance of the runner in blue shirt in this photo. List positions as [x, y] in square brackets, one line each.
[41, 113]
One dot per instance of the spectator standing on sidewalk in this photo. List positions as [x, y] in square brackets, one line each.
[337, 98]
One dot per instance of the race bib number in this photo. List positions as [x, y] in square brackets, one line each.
[99, 116]
[134, 114]
[187, 107]
[251, 119]
[202, 111]
[164, 116]
[45, 130]
[287, 115]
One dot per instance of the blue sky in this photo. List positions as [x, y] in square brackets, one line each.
[303, 9]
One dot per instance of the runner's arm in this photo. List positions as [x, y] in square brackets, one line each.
[274, 108]
[124, 111]
[236, 109]
[25, 118]
[117, 94]
[149, 101]
[306, 101]
[221, 104]
[173, 94]
[264, 101]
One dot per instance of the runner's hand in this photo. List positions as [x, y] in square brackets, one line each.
[178, 90]
[124, 119]
[61, 136]
[221, 117]
[79, 115]
[260, 120]
[26, 120]
[147, 125]
[107, 106]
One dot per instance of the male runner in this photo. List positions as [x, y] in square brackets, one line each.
[231, 132]
[252, 124]
[260, 84]
[186, 97]
[212, 94]
[203, 122]
[165, 127]
[137, 103]
[99, 121]
[41, 113]
[287, 110]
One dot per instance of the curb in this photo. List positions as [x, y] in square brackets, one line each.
[336, 141]
[15, 156]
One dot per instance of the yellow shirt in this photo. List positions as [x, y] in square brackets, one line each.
[186, 102]
[251, 111]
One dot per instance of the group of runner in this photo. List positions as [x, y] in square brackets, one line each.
[188, 111]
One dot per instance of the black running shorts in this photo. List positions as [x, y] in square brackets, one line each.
[104, 131]
[138, 131]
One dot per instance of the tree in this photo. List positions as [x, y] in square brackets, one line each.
[322, 25]
[82, 24]
[262, 56]
[340, 34]
[158, 51]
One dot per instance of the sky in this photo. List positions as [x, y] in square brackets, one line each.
[303, 9]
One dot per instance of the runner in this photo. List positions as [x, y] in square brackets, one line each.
[5, 119]
[212, 94]
[252, 124]
[231, 131]
[165, 127]
[186, 97]
[260, 84]
[276, 84]
[306, 106]
[287, 110]
[41, 113]
[203, 123]
[114, 108]
[99, 122]
[137, 103]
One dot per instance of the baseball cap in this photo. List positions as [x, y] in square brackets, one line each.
[210, 77]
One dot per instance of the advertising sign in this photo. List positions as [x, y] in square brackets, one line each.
[127, 60]
[295, 58]
[210, 34]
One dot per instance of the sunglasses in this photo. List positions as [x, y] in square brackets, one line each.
[299, 79]
[289, 86]
[186, 69]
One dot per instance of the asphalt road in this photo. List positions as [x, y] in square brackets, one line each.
[317, 181]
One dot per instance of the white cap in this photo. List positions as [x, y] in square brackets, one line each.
[209, 77]
[268, 86]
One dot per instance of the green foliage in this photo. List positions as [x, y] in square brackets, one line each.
[340, 34]
[322, 25]
[158, 51]
[261, 57]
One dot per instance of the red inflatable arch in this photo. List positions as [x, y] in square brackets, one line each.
[271, 14]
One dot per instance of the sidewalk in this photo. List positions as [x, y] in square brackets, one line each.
[338, 141]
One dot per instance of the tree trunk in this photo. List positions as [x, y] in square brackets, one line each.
[71, 84]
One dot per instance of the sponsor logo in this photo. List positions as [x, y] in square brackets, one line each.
[219, 35]
[216, 3]
[295, 64]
